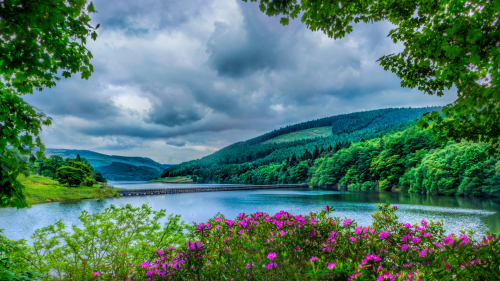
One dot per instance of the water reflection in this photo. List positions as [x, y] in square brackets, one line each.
[456, 213]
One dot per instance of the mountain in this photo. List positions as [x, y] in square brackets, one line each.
[296, 143]
[119, 171]
[115, 167]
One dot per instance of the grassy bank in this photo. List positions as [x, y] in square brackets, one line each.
[39, 189]
[174, 180]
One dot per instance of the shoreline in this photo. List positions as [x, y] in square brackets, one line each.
[40, 190]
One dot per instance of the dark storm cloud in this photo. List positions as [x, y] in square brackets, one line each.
[170, 117]
[177, 80]
[235, 55]
[239, 51]
[75, 98]
[176, 142]
[140, 17]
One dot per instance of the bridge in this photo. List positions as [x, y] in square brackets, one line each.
[212, 188]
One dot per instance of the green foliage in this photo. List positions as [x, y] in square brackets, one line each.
[50, 168]
[70, 175]
[40, 189]
[37, 39]
[99, 177]
[412, 161]
[446, 43]
[109, 242]
[11, 267]
[458, 169]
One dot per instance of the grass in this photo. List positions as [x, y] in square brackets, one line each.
[304, 134]
[39, 189]
[173, 180]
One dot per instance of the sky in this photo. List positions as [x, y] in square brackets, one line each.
[177, 80]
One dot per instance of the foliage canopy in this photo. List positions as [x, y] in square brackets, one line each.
[38, 38]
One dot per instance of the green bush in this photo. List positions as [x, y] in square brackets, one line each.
[109, 242]
[70, 175]
[11, 267]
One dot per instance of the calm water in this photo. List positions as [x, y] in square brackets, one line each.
[457, 213]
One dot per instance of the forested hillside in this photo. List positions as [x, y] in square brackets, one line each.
[381, 149]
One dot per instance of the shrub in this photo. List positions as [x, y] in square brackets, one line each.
[109, 243]
[11, 267]
[319, 247]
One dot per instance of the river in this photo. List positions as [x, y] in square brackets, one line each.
[457, 213]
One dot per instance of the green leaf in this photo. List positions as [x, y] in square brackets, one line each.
[284, 21]
[90, 8]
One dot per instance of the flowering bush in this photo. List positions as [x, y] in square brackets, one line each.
[321, 247]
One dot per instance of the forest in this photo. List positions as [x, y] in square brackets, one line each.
[382, 149]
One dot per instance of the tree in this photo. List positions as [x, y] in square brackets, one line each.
[38, 38]
[51, 165]
[99, 177]
[316, 152]
[71, 175]
[447, 43]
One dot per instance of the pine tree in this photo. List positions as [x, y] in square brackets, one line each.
[78, 158]
[293, 159]
[316, 152]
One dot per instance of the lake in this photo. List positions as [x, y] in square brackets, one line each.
[457, 213]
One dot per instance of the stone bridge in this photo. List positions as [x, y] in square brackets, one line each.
[138, 192]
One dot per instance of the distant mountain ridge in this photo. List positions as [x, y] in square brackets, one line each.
[116, 167]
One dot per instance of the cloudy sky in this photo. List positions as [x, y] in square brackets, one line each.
[177, 80]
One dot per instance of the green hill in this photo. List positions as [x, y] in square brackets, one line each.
[115, 167]
[333, 133]
[373, 150]
[303, 135]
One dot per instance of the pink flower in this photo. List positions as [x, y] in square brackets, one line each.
[332, 265]
[313, 259]
[96, 273]
[383, 235]
[271, 265]
[271, 256]
[347, 222]
[415, 240]
[394, 207]
[358, 230]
